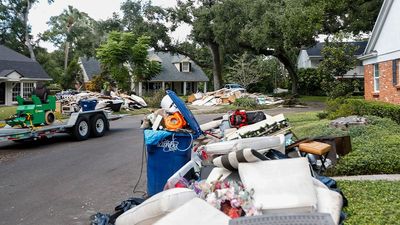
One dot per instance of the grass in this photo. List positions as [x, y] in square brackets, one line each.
[304, 98]
[371, 202]
[374, 146]
[7, 111]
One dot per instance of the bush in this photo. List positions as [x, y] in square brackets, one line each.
[371, 202]
[153, 100]
[346, 107]
[374, 146]
[310, 82]
[245, 102]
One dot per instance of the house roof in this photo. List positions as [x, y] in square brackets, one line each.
[11, 60]
[315, 51]
[169, 72]
[91, 66]
[380, 21]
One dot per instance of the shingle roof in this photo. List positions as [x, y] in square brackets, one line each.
[170, 73]
[91, 66]
[316, 49]
[28, 68]
[168, 70]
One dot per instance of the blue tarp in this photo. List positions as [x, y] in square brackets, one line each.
[153, 137]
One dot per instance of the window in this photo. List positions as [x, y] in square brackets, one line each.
[186, 67]
[376, 77]
[28, 89]
[16, 91]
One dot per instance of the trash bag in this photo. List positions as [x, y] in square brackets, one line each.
[275, 154]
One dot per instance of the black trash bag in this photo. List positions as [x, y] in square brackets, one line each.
[100, 219]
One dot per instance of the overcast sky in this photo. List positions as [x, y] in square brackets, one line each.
[97, 9]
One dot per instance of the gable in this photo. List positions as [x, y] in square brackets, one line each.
[384, 42]
[14, 76]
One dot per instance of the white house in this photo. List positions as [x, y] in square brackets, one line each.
[18, 75]
[381, 58]
[312, 57]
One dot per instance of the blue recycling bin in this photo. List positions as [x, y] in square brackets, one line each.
[171, 151]
[88, 105]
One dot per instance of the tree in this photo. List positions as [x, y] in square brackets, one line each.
[125, 56]
[14, 17]
[245, 71]
[75, 29]
[142, 18]
[201, 17]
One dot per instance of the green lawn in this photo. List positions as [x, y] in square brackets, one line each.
[372, 202]
[304, 98]
[7, 111]
[375, 147]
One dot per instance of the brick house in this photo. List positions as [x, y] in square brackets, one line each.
[381, 58]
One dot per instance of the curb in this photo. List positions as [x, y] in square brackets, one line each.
[385, 177]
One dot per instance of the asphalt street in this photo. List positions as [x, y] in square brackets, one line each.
[62, 181]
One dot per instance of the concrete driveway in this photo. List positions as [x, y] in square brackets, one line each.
[61, 181]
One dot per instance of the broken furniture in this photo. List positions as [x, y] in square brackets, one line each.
[316, 148]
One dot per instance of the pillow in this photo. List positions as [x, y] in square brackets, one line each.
[231, 161]
[195, 212]
[156, 207]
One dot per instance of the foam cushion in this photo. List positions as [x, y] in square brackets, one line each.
[156, 207]
[231, 161]
[195, 212]
[329, 202]
[315, 147]
[283, 185]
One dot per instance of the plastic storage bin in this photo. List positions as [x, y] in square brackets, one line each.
[88, 105]
[169, 155]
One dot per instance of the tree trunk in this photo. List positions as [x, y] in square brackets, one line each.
[27, 38]
[66, 54]
[217, 65]
[283, 58]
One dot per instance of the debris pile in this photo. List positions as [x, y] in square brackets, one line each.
[226, 96]
[70, 102]
[242, 164]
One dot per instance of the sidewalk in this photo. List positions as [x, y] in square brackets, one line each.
[386, 177]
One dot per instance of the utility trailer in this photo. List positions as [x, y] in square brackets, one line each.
[80, 125]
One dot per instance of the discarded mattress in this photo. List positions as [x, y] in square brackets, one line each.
[156, 207]
[280, 186]
[195, 212]
[256, 143]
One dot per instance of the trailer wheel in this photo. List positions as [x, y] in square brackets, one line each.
[49, 117]
[81, 130]
[98, 125]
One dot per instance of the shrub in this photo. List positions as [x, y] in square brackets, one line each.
[346, 107]
[153, 100]
[374, 146]
[245, 102]
[310, 82]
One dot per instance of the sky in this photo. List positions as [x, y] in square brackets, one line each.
[97, 9]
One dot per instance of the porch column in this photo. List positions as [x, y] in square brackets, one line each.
[184, 88]
[140, 89]
[22, 90]
[205, 87]
[163, 85]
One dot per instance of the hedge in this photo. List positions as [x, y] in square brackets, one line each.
[346, 107]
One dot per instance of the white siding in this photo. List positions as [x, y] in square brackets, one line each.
[388, 41]
[303, 60]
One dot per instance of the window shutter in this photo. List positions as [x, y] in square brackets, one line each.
[394, 67]
[180, 67]
[190, 67]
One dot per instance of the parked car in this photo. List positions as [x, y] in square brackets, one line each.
[235, 87]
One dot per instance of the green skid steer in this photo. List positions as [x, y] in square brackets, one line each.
[33, 113]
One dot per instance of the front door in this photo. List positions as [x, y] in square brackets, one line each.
[2, 93]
